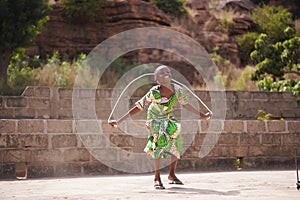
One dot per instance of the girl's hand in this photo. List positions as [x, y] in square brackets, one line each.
[206, 115]
[113, 123]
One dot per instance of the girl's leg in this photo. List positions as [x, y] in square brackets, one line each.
[157, 181]
[172, 177]
[173, 166]
[156, 167]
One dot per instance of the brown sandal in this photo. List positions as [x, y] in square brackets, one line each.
[158, 185]
[174, 180]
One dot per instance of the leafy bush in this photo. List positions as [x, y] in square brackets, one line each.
[171, 7]
[246, 46]
[271, 21]
[231, 77]
[263, 116]
[81, 11]
[24, 71]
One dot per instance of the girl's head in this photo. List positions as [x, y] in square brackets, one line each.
[162, 75]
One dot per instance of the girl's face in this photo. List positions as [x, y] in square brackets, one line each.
[164, 76]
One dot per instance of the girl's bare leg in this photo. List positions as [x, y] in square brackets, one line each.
[157, 181]
[172, 177]
[156, 167]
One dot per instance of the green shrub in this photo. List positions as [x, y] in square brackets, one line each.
[263, 116]
[171, 7]
[246, 46]
[80, 11]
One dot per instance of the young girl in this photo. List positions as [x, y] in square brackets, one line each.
[165, 137]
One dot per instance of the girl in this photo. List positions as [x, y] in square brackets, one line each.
[165, 137]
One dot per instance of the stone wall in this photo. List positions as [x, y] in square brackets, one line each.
[38, 133]
[56, 103]
[51, 147]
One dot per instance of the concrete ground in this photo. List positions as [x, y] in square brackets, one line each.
[254, 185]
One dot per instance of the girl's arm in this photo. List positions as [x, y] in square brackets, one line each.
[131, 112]
[193, 110]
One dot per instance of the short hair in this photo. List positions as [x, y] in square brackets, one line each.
[158, 69]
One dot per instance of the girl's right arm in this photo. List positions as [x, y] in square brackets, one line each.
[131, 112]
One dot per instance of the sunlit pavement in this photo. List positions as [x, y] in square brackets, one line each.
[213, 185]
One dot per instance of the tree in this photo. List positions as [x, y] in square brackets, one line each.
[20, 22]
[269, 20]
[276, 61]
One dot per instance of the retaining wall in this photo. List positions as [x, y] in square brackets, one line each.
[39, 136]
[56, 103]
[51, 147]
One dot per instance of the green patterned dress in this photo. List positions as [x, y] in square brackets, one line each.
[165, 137]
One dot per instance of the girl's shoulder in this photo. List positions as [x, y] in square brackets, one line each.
[177, 88]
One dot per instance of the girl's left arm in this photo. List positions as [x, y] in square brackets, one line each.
[193, 110]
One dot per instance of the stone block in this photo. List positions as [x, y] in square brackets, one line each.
[17, 155]
[241, 151]
[7, 113]
[43, 113]
[65, 113]
[7, 170]
[46, 156]
[139, 144]
[271, 138]
[39, 171]
[255, 151]
[68, 169]
[103, 93]
[222, 151]
[29, 91]
[290, 113]
[59, 126]
[24, 113]
[64, 140]
[276, 126]
[293, 126]
[87, 94]
[256, 126]
[260, 95]
[233, 126]
[42, 91]
[87, 126]
[65, 104]
[65, 93]
[250, 139]
[9, 140]
[229, 139]
[269, 163]
[190, 126]
[122, 140]
[33, 141]
[106, 155]
[290, 138]
[30, 126]
[198, 140]
[95, 168]
[16, 102]
[39, 103]
[76, 155]
[7, 126]
[94, 140]
[212, 126]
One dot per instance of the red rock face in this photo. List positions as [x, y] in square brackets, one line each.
[71, 39]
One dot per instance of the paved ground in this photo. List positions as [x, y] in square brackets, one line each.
[254, 185]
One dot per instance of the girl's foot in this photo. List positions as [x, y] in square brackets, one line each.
[174, 180]
[158, 185]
